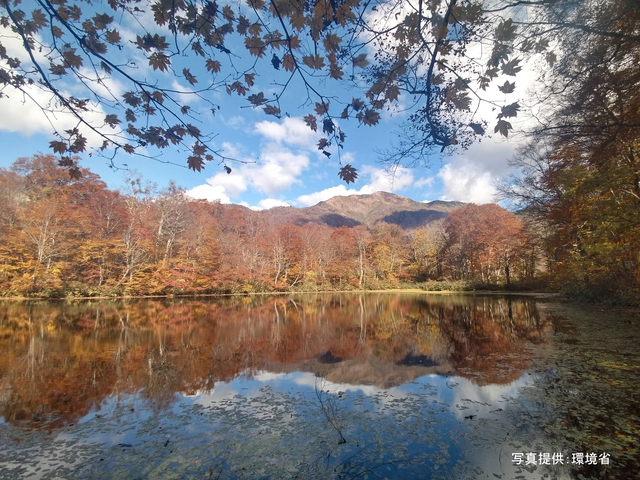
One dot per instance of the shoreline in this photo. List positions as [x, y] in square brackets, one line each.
[324, 292]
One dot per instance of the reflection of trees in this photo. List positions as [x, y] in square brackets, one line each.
[58, 361]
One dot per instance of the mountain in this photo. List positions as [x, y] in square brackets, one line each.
[365, 210]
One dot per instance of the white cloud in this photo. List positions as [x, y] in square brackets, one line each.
[35, 110]
[292, 130]
[326, 194]
[236, 122]
[424, 182]
[267, 203]
[210, 193]
[278, 168]
[383, 180]
[466, 183]
[471, 176]
[232, 184]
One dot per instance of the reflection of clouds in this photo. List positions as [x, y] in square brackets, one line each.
[279, 404]
[480, 400]
[306, 379]
[460, 395]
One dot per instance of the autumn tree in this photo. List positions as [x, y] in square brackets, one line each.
[580, 173]
[427, 246]
[425, 52]
[484, 242]
[388, 250]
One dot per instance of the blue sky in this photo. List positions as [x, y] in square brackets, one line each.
[284, 166]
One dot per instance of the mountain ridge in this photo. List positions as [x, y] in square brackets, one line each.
[367, 210]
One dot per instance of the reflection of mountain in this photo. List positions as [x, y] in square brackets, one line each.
[59, 361]
[362, 371]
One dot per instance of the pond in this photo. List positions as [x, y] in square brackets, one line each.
[320, 386]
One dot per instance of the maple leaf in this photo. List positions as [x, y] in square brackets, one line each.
[335, 71]
[243, 25]
[511, 67]
[159, 61]
[288, 62]
[158, 96]
[70, 57]
[369, 117]
[332, 42]
[102, 20]
[323, 143]
[322, 108]
[257, 99]
[272, 110]
[348, 174]
[503, 127]
[105, 67]
[551, 58]
[195, 163]
[112, 36]
[311, 122]
[297, 20]
[58, 147]
[197, 47]
[75, 173]
[238, 87]
[189, 76]
[213, 65]
[111, 120]
[149, 42]
[199, 149]
[313, 61]
[65, 162]
[360, 61]
[79, 144]
[508, 87]
[462, 101]
[193, 130]
[129, 115]
[227, 13]
[294, 43]
[357, 104]
[255, 29]
[392, 93]
[249, 79]
[227, 169]
[506, 31]
[54, 69]
[509, 110]
[39, 18]
[255, 45]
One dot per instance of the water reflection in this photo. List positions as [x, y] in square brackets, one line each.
[59, 361]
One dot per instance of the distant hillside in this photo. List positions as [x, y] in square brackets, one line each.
[365, 210]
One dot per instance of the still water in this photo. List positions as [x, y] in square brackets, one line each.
[318, 386]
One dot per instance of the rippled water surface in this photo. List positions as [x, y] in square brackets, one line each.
[318, 386]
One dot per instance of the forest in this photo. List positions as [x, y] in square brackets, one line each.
[75, 237]
[576, 180]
